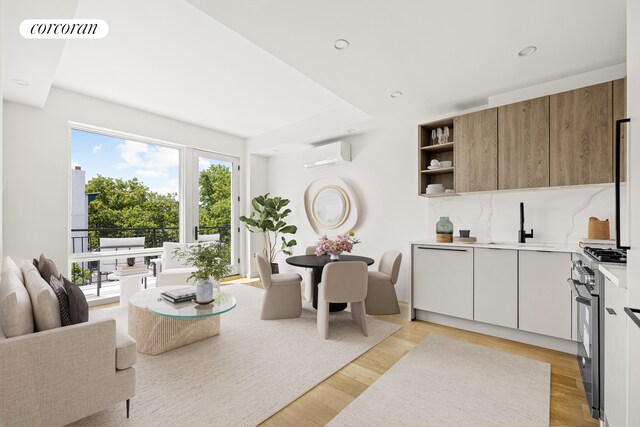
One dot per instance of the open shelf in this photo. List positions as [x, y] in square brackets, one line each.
[437, 148]
[438, 194]
[437, 171]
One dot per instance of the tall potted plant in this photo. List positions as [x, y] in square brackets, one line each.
[211, 263]
[267, 218]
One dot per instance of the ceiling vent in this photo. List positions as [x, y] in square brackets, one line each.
[330, 154]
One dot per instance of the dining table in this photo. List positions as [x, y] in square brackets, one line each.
[317, 263]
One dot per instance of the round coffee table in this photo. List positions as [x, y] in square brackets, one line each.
[317, 263]
[159, 326]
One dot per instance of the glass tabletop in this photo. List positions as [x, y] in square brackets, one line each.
[222, 303]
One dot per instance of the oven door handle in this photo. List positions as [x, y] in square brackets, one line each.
[573, 284]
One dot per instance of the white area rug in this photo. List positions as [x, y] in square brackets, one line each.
[249, 372]
[446, 382]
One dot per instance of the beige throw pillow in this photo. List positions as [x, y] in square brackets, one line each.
[46, 310]
[16, 313]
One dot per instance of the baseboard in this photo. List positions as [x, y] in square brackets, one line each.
[538, 340]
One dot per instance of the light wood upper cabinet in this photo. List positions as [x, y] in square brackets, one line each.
[476, 151]
[620, 112]
[581, 146]
[523, 144]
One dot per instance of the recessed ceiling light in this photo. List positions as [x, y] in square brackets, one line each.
[396, 94]
[527, 51]
[351, 130]
[341, 44]
[20, 82]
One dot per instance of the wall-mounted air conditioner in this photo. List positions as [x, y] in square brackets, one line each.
[330, 154]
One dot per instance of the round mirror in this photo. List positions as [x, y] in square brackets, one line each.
[330, 207]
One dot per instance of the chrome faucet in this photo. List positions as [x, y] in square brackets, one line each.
[523, 235]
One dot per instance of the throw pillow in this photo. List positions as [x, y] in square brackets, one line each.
[58, 287]
[35, 263]
[46, 309]
[78, 307]
[16, 313]
[47, 268]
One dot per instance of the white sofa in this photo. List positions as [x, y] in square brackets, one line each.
[63, 374]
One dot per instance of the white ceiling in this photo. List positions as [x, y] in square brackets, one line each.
[267, 69]
[443, 55]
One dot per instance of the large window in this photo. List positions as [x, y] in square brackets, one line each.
[126, 194]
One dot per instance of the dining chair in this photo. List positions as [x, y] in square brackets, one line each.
[282, 298]
[308, 275]
[344, 281]
[381, 293]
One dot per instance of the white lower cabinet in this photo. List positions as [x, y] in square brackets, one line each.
[544, 299]
[615, 355]
[443, 280]
[495, 278]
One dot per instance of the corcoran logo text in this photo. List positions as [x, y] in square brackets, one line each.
[64, 28]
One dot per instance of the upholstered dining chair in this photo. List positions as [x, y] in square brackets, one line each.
[308, 275]
[381, 294]
[282, 298]
[344, 281]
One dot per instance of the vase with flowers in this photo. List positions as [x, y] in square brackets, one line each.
[334, 247]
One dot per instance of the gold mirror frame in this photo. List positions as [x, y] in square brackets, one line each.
[345, 214]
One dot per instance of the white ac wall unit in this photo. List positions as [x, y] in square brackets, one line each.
[328, 154]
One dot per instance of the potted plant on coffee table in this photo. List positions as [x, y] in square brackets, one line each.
[211, 263]
[267, 218]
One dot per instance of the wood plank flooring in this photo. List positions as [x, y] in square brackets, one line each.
[319, 405]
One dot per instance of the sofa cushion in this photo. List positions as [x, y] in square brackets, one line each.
[47, 268]
[78, 307]
[126, 353]
[16, 313]
[46, 310]
[57, 285]
[175, 276]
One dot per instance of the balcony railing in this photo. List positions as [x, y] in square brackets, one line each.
[87, 240]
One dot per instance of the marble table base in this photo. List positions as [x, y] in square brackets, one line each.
[155, 334]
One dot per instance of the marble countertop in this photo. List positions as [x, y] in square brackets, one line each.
[531, 246]
[617, 273]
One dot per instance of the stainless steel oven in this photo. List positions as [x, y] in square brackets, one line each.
[585, 284]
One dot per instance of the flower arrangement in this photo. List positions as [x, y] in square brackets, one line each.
[342, 243]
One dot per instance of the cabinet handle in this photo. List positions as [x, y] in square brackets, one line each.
[611, 311]
[633, 314]
[443, 249]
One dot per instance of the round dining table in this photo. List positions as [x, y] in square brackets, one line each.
[317, 263]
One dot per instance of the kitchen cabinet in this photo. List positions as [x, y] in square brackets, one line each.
[443, 280]
[615, 354]
[495, 278]
[620, 112]
[581, 143]
[544, 299]
[476, 152]
[523, 144]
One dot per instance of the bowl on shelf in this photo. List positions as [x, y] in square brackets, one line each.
[435, 190]
[446, 164]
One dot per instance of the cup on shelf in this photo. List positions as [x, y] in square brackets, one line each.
[465, 233]
[446, 163]
[435, 163]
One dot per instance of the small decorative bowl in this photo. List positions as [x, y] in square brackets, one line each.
[465, 233]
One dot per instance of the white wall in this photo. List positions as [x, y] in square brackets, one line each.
[257, 177]
[633, 278]
[36, 163]
[383, 177]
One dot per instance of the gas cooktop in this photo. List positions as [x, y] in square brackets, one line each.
[607, 255]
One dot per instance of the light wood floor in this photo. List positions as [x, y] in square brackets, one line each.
[319, 405]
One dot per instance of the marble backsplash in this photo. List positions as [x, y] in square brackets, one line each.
[556, 215]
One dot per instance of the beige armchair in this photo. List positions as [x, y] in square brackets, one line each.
[343, 281]
[381, 295]
[308, 275]
[282, 299]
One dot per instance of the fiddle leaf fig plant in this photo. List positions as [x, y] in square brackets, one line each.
[267, 218]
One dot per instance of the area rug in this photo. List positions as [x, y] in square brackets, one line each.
[446, 382]
[249, 372]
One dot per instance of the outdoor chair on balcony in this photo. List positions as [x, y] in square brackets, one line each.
[111, 244]
[175, 271]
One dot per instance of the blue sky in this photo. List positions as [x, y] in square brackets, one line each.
[156, 166]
